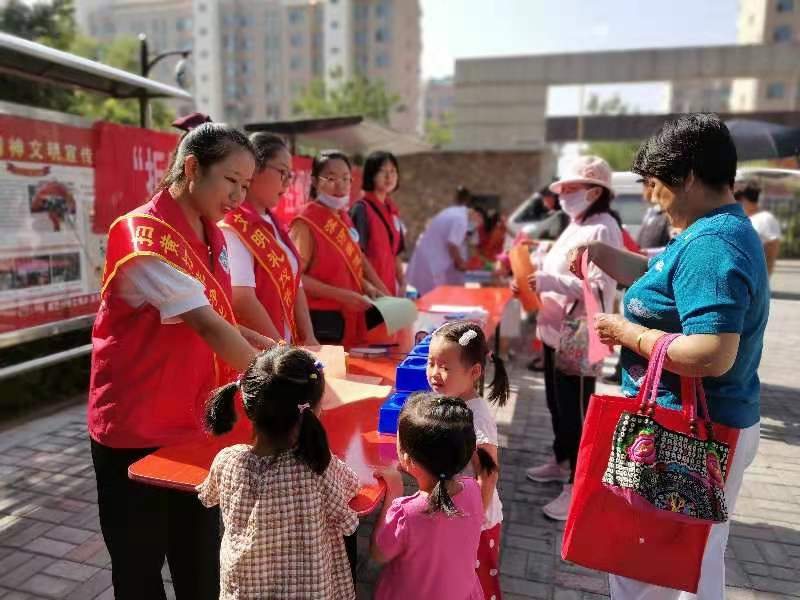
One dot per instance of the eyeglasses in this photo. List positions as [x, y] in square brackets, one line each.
[286, 175]
[335, 180]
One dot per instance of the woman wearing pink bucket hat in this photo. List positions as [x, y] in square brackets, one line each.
[585, 194]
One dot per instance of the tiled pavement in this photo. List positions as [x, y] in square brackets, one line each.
[50, 546]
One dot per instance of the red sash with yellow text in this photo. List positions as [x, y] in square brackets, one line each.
[337, 233]
[139, 234]
[259, 239]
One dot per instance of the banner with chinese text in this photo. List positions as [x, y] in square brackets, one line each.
[48, 260]
[129, 164]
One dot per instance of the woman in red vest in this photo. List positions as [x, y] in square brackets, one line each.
[336, 276]
[164, 323]
[377, 221]
[265, 266]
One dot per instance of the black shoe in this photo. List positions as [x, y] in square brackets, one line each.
[615, 379]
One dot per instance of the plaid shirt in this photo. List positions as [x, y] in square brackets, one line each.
[283, 526]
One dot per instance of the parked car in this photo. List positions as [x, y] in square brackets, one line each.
[628, 202]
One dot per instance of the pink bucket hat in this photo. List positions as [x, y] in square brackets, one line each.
[592, 170]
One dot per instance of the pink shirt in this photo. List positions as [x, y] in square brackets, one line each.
[431, 556]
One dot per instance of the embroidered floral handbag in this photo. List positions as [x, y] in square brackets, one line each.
[572, 354]
[653, 467]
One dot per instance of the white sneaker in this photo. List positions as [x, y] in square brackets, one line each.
[558, 509]
[549, 471]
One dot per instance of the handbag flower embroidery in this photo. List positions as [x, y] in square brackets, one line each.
[643, 448]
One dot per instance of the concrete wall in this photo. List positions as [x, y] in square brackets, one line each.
[428, 181]
[500, 103]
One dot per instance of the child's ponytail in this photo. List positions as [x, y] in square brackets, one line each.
[499, 388]
[312, 442]
[220, 414]
[440, 500]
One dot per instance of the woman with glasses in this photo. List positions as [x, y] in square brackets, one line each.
[268, 295]
[336, 275]
[375, 216]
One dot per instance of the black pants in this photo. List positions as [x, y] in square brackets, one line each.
[567, 399]
[142, 525]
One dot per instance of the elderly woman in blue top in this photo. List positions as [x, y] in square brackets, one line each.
[710, 284]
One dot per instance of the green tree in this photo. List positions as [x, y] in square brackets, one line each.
[122, 53]
[439, 133]
[619, 155]
[357, 96]
[53, 24]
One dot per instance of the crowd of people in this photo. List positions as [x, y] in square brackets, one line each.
[208, 294]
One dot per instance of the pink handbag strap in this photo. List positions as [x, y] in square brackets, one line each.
[691, 388]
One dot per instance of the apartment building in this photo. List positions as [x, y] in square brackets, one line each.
[252, 58]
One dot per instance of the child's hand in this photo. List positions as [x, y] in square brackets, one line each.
[393, 479]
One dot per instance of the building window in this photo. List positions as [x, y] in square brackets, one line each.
[230, 69]
[335, 50]
[183, 24]
[201, 7]
[784, 6]
[295, 16]
[296, 40]
[334, 24]
[776, 90]
[296, 63]
[203, 53]
[362, 12]
[231, 90]
[381, 35]
[246, 67]
[382, 60]
[361, 38]
[782, 33]
[247, 89]
[383, 9]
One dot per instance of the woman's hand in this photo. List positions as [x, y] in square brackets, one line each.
[610, 328]
[372, 291]
[531, 282]
[575, 258]
[255, 339]
[353, 301]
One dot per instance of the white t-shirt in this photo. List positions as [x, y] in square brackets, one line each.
[559, 289]
[242, 263]
[431, 264]
[766, 226]
[486, 433]
[147, 279]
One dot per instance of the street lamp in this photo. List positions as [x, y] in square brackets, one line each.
[146, 65]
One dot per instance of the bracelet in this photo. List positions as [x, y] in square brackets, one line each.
[639, 340]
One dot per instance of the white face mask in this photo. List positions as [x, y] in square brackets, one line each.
[575, 203]
[334, 202]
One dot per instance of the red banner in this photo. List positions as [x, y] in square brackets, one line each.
[47, 311]
[129, 164]
[30, 140]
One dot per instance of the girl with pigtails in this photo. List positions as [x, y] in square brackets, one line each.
[456, 363]
[428, 541]
[284, 499]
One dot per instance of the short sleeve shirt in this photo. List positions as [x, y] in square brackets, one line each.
[710, 279]
[766, 226]
[486, 433]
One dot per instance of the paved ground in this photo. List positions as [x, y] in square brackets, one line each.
[50, 546]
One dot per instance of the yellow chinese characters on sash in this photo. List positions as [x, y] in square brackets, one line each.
[135, 235]
[336, 232]
[259, 239]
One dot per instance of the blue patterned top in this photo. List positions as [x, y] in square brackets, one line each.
[710, 279]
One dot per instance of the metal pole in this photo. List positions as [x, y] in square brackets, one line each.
[143, 60]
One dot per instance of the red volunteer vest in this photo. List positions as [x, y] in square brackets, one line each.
[337, 262]
[383, 244]
[149, 381]
[276, 285]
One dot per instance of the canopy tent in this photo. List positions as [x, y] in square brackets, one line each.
[351, 134]
[761, 140]
[37, 62]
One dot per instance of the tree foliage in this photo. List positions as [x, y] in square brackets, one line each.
[357, 96]
[439, 133]
[619, 155]
[53, 24]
